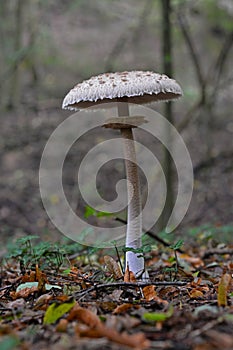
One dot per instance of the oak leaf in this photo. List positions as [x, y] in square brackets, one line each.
[83, 315]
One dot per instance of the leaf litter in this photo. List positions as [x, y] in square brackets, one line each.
[186, 305]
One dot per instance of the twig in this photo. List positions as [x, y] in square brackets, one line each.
[134, 285]
[6, 287]
[217, 251]
[218, 67]
[193, 52]
[212, 79]
[119, 259]
[150, 234]
[190, 115]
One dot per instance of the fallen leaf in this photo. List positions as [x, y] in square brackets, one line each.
[223, 287]
[196, 294]
[42, 302]
[195, 261]
[24, 293]
[149, 292]
[129, 276]
[56, 311]
[62, 325]
[36, 284]
[157, 316]
[120, 309]
[83, 315]
[113, 267]
[136, 341]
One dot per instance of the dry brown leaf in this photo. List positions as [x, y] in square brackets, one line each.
[160, 301]
[136, 341]
[129, 276]
[96, 329]
[42, 302]
[83, 315]
[61, 298]
[35, 276]
[23, 293]
[149, 292]
[195, 261]
[29, 277]
[196, 294]
[120, 309]
[106, 306]
[168, 292]
[84, 331]
[113, 267]
[6, 329]
[62, 325]
[223, 287]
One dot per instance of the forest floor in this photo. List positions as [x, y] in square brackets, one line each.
[52, 300]
[185, 306]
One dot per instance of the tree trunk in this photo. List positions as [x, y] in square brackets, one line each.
[14, 90]
[167, 69]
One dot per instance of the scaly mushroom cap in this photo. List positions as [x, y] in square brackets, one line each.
[135, 87]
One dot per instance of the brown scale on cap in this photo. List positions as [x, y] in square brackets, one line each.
[139, 87]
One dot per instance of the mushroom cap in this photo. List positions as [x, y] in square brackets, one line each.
[138, 87]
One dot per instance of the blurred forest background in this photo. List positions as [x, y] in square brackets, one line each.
[49, 46]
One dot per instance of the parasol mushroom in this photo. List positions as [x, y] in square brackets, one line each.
[139, 87]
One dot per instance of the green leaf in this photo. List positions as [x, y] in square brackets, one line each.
[134, 250]
[56, 311]
[177, 245]
[24, 240]
[89, 211]
[35, 284]
[152, 317]
[144, 249]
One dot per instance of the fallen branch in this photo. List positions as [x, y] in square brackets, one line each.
[129, 285]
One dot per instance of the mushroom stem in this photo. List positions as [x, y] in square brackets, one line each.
[134, 217]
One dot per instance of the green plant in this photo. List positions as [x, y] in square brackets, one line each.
[176, 246]
[28, 255]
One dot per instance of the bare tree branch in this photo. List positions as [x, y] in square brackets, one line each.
[219, 64]
[204, 82]
[193, 52]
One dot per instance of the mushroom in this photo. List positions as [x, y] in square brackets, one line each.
[139, 87]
